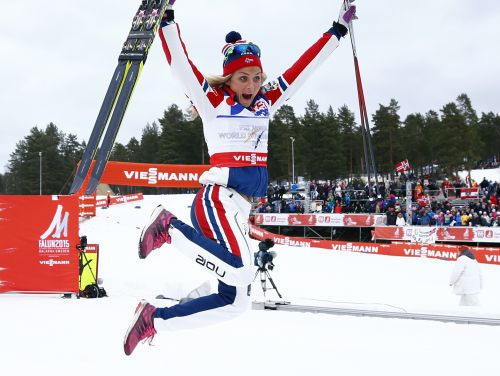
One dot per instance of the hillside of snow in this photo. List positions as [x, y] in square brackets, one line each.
[47, 335]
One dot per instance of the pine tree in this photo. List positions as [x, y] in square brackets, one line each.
[432, 126]
[332, 161]
[119, 153]
[57, 154]
[283, 126]
[150, 141]
[194, 146]
[451, 154]
[414, 146]
[133, 150]
[386, 136]
[472, 141]
[351, 144]
[306, 155]
[172, 136]
[489, 134]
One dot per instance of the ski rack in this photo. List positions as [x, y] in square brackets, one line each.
[287, 306]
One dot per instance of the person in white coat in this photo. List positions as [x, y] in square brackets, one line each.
[400, 219]
[466, 278]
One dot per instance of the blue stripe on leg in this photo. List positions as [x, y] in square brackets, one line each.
[225, 296]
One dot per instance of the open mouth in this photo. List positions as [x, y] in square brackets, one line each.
[247, 96]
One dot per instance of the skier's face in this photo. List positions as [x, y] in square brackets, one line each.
[246, 83]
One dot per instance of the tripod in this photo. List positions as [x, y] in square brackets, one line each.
[264, 276]
[83, 256]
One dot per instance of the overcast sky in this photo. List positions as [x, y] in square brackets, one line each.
[59, 55]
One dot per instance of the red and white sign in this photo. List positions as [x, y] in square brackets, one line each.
[427, 234]
[86, 206]
[301, 220]
[469, 193]
[115, 200]
[38, 243]
[276, 219]
[320, 220]
[439, 251]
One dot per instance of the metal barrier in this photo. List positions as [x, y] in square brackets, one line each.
[286, 306]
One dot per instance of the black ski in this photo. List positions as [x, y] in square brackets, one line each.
[106, 107]
[132, 57]
[99, 126]
[114, 125]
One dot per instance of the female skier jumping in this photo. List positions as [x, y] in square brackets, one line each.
[236, 102]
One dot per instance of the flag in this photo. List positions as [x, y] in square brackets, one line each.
[402, 166]
[424, 201]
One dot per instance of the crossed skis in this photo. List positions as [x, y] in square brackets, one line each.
[130, 62]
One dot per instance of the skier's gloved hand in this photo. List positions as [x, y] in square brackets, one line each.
[346, 15]
[215, 176]
[168, 16]
[170, 4]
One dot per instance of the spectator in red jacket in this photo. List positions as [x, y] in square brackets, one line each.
[445, 187]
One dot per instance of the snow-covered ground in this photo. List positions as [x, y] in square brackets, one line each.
[47, 335]
[491, 174]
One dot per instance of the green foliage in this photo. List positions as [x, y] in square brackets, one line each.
[283, 126]
[351, 142]
[181, 140]
[489, 134]
[326, 145]
[386, 133]
[59, 156]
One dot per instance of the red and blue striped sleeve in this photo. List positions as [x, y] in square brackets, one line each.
[282, 88]
[202, 95]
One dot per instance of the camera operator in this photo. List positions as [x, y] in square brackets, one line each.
[264, 258]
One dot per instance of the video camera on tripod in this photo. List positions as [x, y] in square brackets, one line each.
[83, 244]
[263, 258]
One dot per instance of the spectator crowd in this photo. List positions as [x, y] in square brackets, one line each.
[433, 203]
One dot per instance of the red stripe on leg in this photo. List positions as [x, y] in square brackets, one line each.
[200, 215]
[221, 214]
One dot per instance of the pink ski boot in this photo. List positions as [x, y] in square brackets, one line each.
[155, 233]
[141, 329]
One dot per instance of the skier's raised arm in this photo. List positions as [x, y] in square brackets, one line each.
[283, 87]
[197, 88]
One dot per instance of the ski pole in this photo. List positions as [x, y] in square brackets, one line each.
[365, 127]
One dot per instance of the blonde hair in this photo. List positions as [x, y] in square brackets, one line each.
[218, 81]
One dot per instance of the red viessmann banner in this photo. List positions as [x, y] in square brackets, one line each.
[483, 255]
[115, 200]
[153, 175]
[38, 243]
